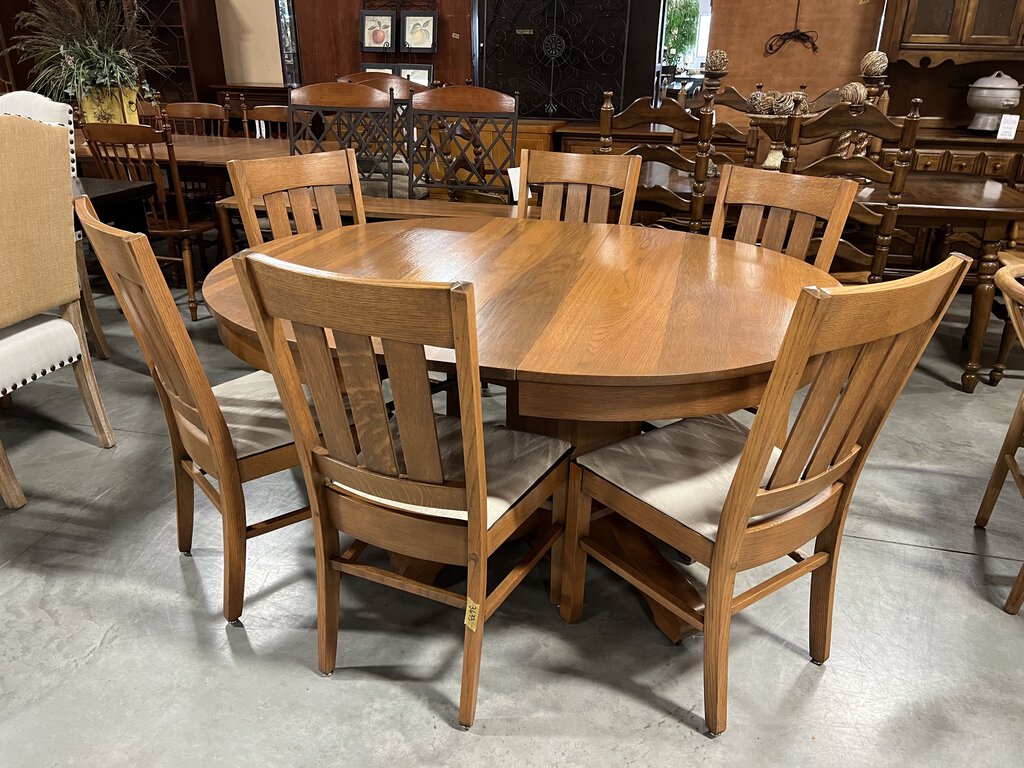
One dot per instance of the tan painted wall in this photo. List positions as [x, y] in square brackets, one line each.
[847, 29]
[248, 35]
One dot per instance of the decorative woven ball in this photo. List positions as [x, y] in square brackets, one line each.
[783, 104]
[799, 104]
[760, 103]
[717, 61]
[874, 64]
[853, 93]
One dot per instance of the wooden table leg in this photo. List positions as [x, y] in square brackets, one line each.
[981, 302]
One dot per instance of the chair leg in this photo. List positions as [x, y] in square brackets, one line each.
[1011, 443]
[190, 278]
[1006, 342]
[823, 591]
[10, 491]
[717, 624]
[472, 649]
[85, 377]
[233, 519]
[184, 500]
[328, 584]
[1016, 598]
[557, 554]
[574, 568]
[92, 319]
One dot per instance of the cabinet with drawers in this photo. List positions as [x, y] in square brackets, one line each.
[952, 151]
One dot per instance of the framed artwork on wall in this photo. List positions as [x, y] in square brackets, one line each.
[383, 69]
[377, 30]
[419, 31]
[421, 74]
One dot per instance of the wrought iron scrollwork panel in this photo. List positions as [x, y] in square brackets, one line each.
[559, 55]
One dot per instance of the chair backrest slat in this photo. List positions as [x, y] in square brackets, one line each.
[322, 376]
[304, 186]
[410, 388]
[370, 414]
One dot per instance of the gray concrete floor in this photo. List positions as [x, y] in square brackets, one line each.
[113, 651]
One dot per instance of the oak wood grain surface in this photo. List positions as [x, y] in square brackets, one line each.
[587, 315]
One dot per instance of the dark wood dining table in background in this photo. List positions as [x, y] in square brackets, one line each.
[592, 328]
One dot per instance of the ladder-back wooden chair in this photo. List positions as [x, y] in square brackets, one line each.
[233, 432]
[794, 206]
[268, 121]
[296, 193]
[731, 499]
[577, 188]
[195, 118]
[1008, 281]
[432, 487]
[39, 273]
[664, 165]
[731, 99]
[863, 252]
[136, 153]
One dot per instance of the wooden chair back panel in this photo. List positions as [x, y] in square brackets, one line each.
[351, 95]
[584, 181]
[466, 99]
[867, 119]
[194, 118]
[401, 460]
[794, 205]
[861, 367]
[854, 167]
[403, 88]
[128, 152]
[664, 154]
[304, 186]
[642, 112]
[267, 121]
[131, 268]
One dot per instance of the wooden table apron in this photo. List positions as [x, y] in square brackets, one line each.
[592, 328]
[589, 325]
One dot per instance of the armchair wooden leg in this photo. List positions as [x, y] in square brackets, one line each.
[85, 377]
[1009, 448]
[472, 649]
[190, 278]
[1006, 342]
[184, 500]
[92, 319]
[574, 568]
[328, 588]
[717, 624]
[10, 490]
[233, 519]
[1016, 598]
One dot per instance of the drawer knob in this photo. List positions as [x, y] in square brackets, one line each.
[927, 163]
[997, 166]
[962, 165]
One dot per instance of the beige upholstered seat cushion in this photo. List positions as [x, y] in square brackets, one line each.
[683, 470]
[254, 414]
[515, 463]
[33, 348]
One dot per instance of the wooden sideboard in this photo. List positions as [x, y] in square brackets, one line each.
[957, 151]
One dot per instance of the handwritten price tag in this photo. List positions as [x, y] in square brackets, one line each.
[472, 614]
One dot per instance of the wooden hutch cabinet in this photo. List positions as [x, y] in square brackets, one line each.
[955, 30]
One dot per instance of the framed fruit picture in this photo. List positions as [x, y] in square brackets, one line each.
[419, 31]
[377, 30]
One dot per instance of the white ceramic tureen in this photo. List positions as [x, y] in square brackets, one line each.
[991, 97]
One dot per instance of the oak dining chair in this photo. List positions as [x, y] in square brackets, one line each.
[577, 188]
[1008, 281]
[267, 121]
[437, 488]
[304, 186]
[731, 500]
[233, 432]
[40, 274]
[782, 211]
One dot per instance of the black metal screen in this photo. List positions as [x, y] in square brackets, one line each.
[558, 55]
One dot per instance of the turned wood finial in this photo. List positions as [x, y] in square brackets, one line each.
[607, 112]
[915, 109]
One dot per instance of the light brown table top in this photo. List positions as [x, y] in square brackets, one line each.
[208, 151]
[581, 305]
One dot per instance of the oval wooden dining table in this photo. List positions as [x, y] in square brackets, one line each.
[592, 328]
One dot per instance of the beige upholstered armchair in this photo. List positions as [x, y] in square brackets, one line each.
[38, 272]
